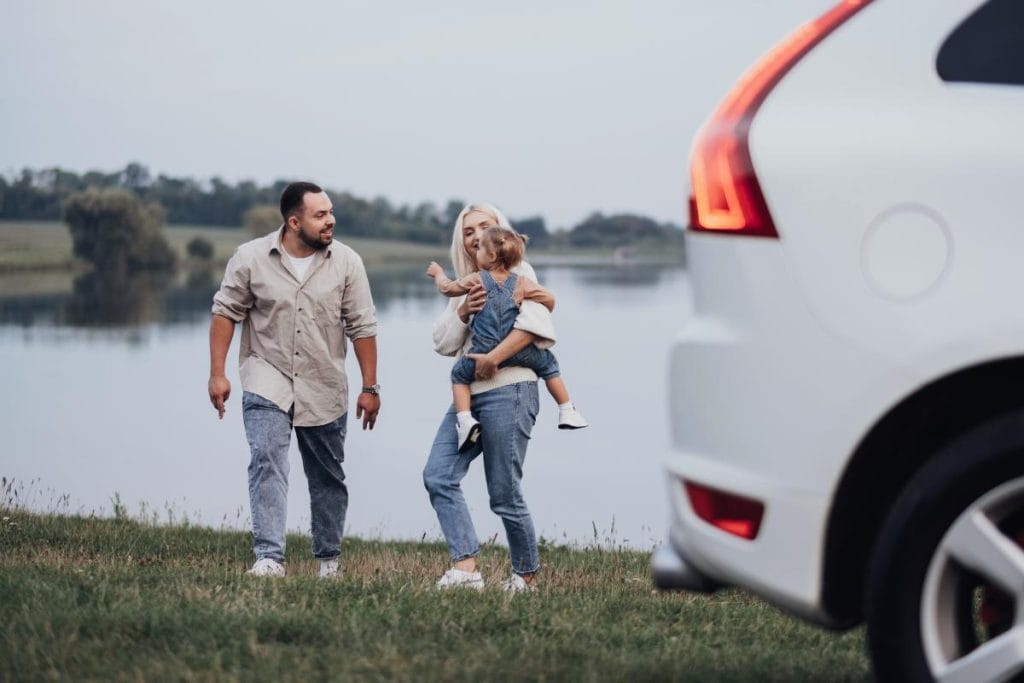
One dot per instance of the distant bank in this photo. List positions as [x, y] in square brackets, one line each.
[41, 246]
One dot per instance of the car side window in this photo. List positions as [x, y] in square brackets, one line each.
[987, 47]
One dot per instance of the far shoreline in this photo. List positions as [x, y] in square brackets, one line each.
[44, 248]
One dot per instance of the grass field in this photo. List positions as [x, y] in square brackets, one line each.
[119, 599]
[37, 246]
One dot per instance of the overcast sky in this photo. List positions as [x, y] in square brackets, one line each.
[551, 108]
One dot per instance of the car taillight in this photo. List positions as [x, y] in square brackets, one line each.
[726, 195]
[733, 514]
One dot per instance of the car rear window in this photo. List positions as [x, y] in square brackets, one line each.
[987, 47]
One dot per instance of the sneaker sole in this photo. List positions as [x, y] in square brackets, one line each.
[471, 438]
[573, 426]
[461, 586]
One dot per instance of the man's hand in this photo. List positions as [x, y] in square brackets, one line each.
[219, 388]
[485, 365]
[474, 302]
[434, 269]
[367, 407]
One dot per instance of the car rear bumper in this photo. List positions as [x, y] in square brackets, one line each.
[765, 403]
[671, 571]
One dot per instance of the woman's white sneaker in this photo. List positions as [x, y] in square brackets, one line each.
[570, 418]
[329, 569]
[266, 566]
[456, 578]
[517, 584]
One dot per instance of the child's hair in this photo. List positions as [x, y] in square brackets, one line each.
[507, 245]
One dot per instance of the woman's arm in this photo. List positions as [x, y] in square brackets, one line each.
[487, 363]
[451, 329]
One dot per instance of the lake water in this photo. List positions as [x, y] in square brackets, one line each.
[104, 398]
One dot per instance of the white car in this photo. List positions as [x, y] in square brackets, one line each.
[847, 401]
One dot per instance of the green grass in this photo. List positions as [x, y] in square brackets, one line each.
[37, 246]
[118, 599]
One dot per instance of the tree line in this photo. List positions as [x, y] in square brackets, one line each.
[44, 195]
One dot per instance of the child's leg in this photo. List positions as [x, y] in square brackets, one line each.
[556, 387]
[568, 416]
[461, 397]
[466, 426]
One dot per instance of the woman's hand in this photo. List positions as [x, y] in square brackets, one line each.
[473, 303]
[486, 365]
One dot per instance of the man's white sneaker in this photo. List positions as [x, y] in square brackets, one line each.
[570, 418]
[517, 584]
[329, 569]
[266, 567]
[456, 578]
[469, 433]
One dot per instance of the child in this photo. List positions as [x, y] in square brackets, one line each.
[499, 251]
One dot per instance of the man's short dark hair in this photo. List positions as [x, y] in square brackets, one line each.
[291, 198]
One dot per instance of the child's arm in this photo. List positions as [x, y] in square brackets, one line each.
[528, 289]
[448, 287]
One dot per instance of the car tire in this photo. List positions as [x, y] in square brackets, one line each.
[948, 567]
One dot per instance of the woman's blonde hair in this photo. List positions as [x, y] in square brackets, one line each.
[461, 261]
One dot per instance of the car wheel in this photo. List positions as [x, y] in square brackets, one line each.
[945, 592]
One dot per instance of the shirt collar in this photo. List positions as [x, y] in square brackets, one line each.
[275, 243]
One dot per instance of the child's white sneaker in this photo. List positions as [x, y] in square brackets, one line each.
[570, 418]
[266, 566]
[329, 569]
[517, 584]
[469, 433]
[456, 578]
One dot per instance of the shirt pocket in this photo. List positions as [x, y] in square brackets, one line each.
[327, 310]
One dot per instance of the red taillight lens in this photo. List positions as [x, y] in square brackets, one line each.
[726, 195]
[733, 514]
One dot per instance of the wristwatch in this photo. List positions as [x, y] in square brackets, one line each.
[374, 389]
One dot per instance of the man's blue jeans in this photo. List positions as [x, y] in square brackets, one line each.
[506, 416]
[269, 431]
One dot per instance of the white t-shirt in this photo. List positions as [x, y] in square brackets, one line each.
[301, 265]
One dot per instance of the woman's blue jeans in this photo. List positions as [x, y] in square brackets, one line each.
[269, 431]
[506, 416]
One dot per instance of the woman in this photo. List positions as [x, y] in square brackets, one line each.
[505, 402]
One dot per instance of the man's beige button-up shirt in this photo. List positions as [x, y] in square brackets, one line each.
[293, 332]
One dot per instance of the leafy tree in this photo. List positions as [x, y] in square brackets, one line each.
[261, 219]
[621, 230]
[199, 248]
[535, 229]
[113, 230]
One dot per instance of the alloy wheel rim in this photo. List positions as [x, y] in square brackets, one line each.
[980, 556]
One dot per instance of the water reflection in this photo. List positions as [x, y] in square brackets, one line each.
[105, 299]
[98, 300]
[620, 275]
[121, 302]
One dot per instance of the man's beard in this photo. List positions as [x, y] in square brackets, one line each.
[312, 242]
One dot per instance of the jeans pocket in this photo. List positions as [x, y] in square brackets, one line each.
[251, 400]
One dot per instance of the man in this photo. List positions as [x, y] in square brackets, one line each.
[298, 294]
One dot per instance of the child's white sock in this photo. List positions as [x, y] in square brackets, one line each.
[464, 417]
[564, 406]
